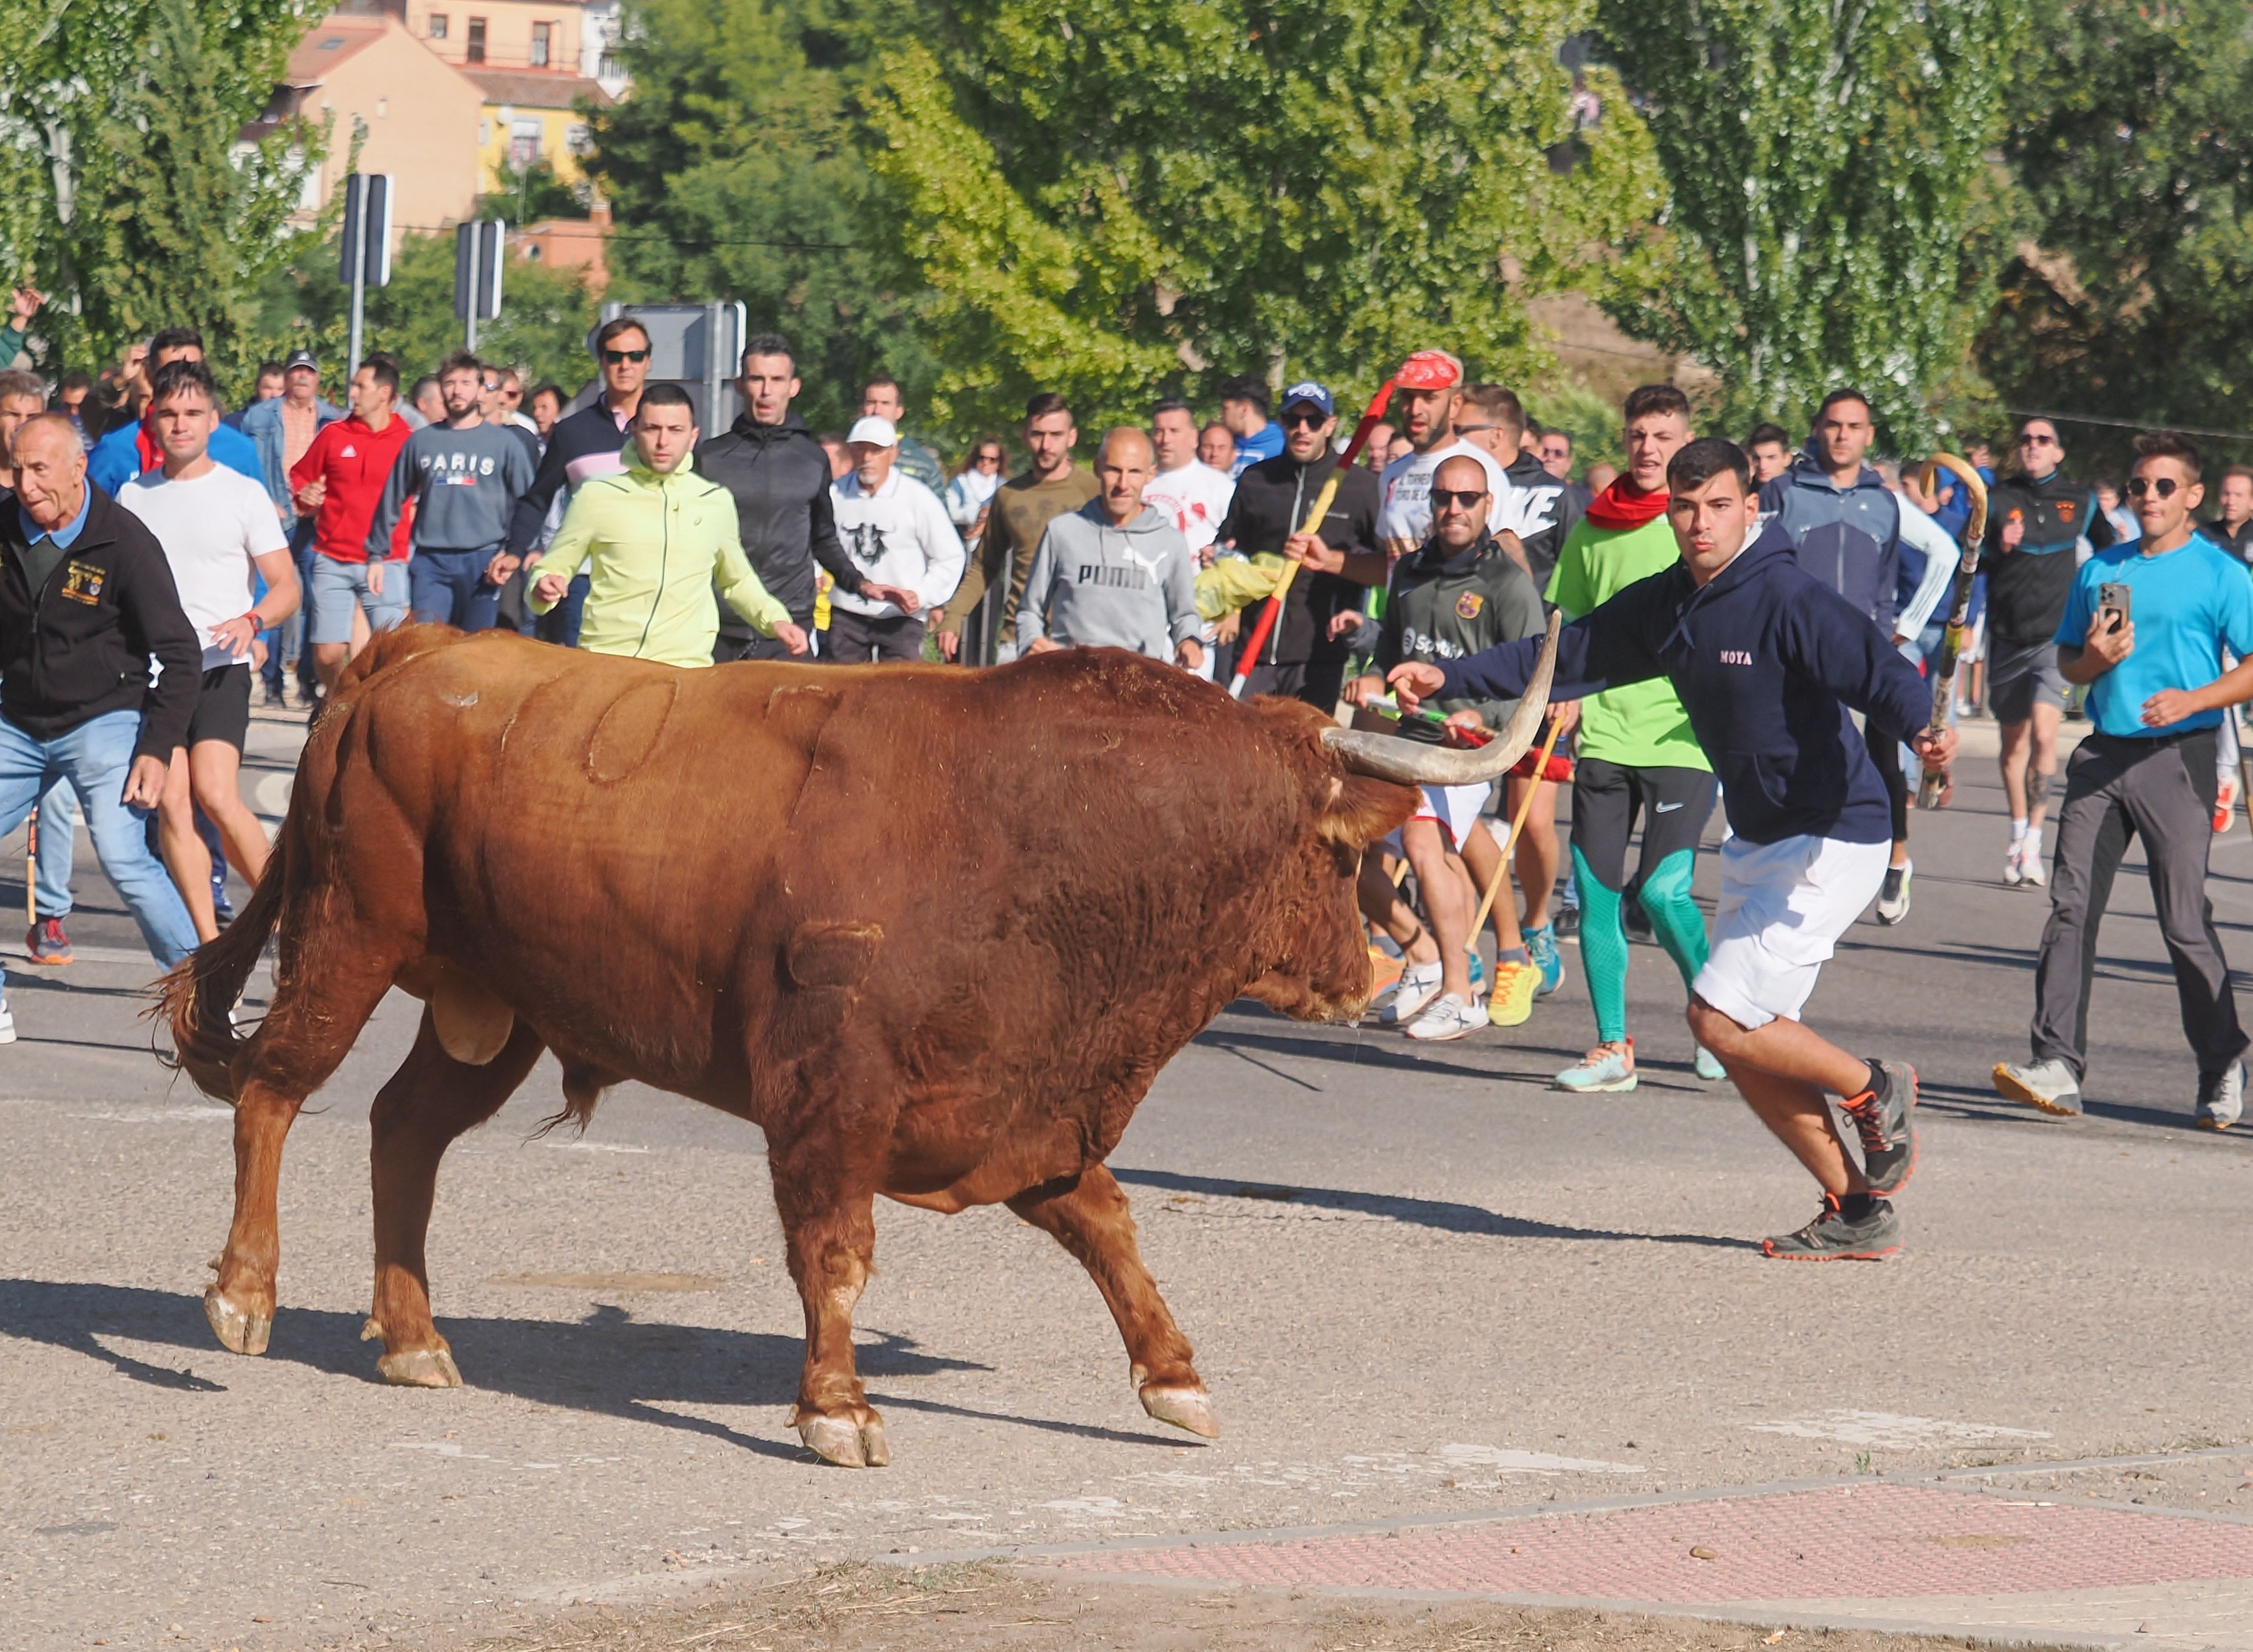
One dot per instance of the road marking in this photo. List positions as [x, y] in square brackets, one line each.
[611, 1281]
[1509, 1460]
[271, 795]
[155, 1115]
[1889, 1429]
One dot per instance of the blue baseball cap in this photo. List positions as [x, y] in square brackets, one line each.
[1310, 392]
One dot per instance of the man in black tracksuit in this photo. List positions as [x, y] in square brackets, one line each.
[87, 602]
[779, 477]
[1337, 562]
[590, 442]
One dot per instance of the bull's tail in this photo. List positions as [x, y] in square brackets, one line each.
[195, 998]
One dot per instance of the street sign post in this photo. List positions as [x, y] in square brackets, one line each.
[477, 249]
[366, 253]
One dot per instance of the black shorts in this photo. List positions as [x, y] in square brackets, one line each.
[1674, 802]
[222, 707]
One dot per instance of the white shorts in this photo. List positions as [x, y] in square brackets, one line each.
[1783, 907]
[1457, 809]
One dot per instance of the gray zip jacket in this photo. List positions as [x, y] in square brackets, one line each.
[465, 484]
[1093, 585]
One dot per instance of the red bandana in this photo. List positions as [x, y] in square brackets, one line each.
[1619, 506]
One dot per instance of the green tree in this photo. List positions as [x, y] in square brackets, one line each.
[541, 330]
[2128, 140]
[122, 190]
[1824, 164]
[734, 171]
[1116, 198]
[532, 194]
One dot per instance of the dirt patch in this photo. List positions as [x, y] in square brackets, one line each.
[995, 1609]
[2221, 1482]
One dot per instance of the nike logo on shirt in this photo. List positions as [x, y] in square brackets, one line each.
[1664, 807]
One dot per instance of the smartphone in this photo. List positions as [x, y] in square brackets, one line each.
[2114, 599]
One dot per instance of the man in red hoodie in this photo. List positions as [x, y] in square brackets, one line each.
[341, 477]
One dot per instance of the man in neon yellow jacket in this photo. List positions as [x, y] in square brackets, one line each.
[656, 535]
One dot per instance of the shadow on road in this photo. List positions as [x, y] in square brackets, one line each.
[1442, 1215]
[608, 1362]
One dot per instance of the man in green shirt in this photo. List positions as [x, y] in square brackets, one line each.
[1636, 752]
[1023, 506]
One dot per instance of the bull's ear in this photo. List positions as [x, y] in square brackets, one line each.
[1358, 809]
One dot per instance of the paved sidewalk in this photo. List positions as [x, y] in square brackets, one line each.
[1926, 1557]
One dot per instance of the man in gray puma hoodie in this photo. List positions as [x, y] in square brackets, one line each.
[1115, 573]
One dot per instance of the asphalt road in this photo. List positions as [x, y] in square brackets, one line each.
[1418, 1281]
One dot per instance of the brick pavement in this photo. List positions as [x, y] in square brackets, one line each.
[1866, 1542]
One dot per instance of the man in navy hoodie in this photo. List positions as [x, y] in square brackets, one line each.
[1846, 523]
[1771, 663]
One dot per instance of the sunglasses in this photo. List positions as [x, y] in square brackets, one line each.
[613, 357]
[2159, 487]
[1304, 421]
[2035, 440]
[1464, 497]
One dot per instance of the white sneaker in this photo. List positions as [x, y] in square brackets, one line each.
[7, 1024]
[2220, 1098]
[1892, 894]
[1448, 1017]
[1419, 985]
[2015, 865]
[2030, 868]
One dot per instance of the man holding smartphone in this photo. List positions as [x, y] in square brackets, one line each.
[2145, 626]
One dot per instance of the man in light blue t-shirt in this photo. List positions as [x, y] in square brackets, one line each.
[2145, 627]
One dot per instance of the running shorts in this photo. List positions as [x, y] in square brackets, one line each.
[222, 707]
[1457, 809]
[1783, 907]
[2020, 679]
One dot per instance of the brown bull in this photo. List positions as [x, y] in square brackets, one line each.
[934, 931]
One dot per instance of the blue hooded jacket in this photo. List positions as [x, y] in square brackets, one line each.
[1848, 537]
[1769, 662]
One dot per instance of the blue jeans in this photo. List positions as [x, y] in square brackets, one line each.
[50, 873]
[288, 640]
[561, 623]
[450, 587]
[95, 757]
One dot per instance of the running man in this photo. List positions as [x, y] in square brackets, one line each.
[1637, 753]
[339, 482]
[2034, 520]
[1115, 573]
[466, 477]
[651, 539]
[2145, 626]
[1459, 592]
[1767, 661]
[897, 533]
[220, 535]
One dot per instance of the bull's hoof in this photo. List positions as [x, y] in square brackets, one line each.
[421, 1367]
[1190, 1408]
[239, 1330]
[842, 1442]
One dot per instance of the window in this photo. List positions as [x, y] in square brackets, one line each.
[523, 144]
[607, 68]
[540, 33]
[437, 25]
[578, 139]
[485, 132]
[476, 53]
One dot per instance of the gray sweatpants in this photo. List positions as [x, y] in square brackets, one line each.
[2161, 789]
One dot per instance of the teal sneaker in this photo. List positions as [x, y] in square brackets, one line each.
[1708, 1066]
[1541, 949]
[1607, 1070]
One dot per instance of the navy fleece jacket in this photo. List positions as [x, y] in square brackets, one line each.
[1769, 660]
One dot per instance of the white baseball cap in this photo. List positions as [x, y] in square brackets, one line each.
[877, 433]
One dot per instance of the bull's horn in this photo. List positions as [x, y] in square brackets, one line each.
[1413, 763]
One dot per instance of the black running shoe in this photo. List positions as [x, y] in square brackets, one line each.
[1831, 1238]
[1886, 1120]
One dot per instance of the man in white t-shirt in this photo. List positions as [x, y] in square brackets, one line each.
[898, 533]
[220, 534]
[1428, 420]
[1189, 490]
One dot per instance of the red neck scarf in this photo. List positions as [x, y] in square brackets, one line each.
[1620, 506]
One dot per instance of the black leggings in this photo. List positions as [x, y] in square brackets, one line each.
[1885, 751]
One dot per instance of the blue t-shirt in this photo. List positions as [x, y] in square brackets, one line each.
[2186, 605]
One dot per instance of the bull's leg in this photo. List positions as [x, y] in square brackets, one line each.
[308, 1031]
[429, 1101]
[829, 1234]
[1088, 1215]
